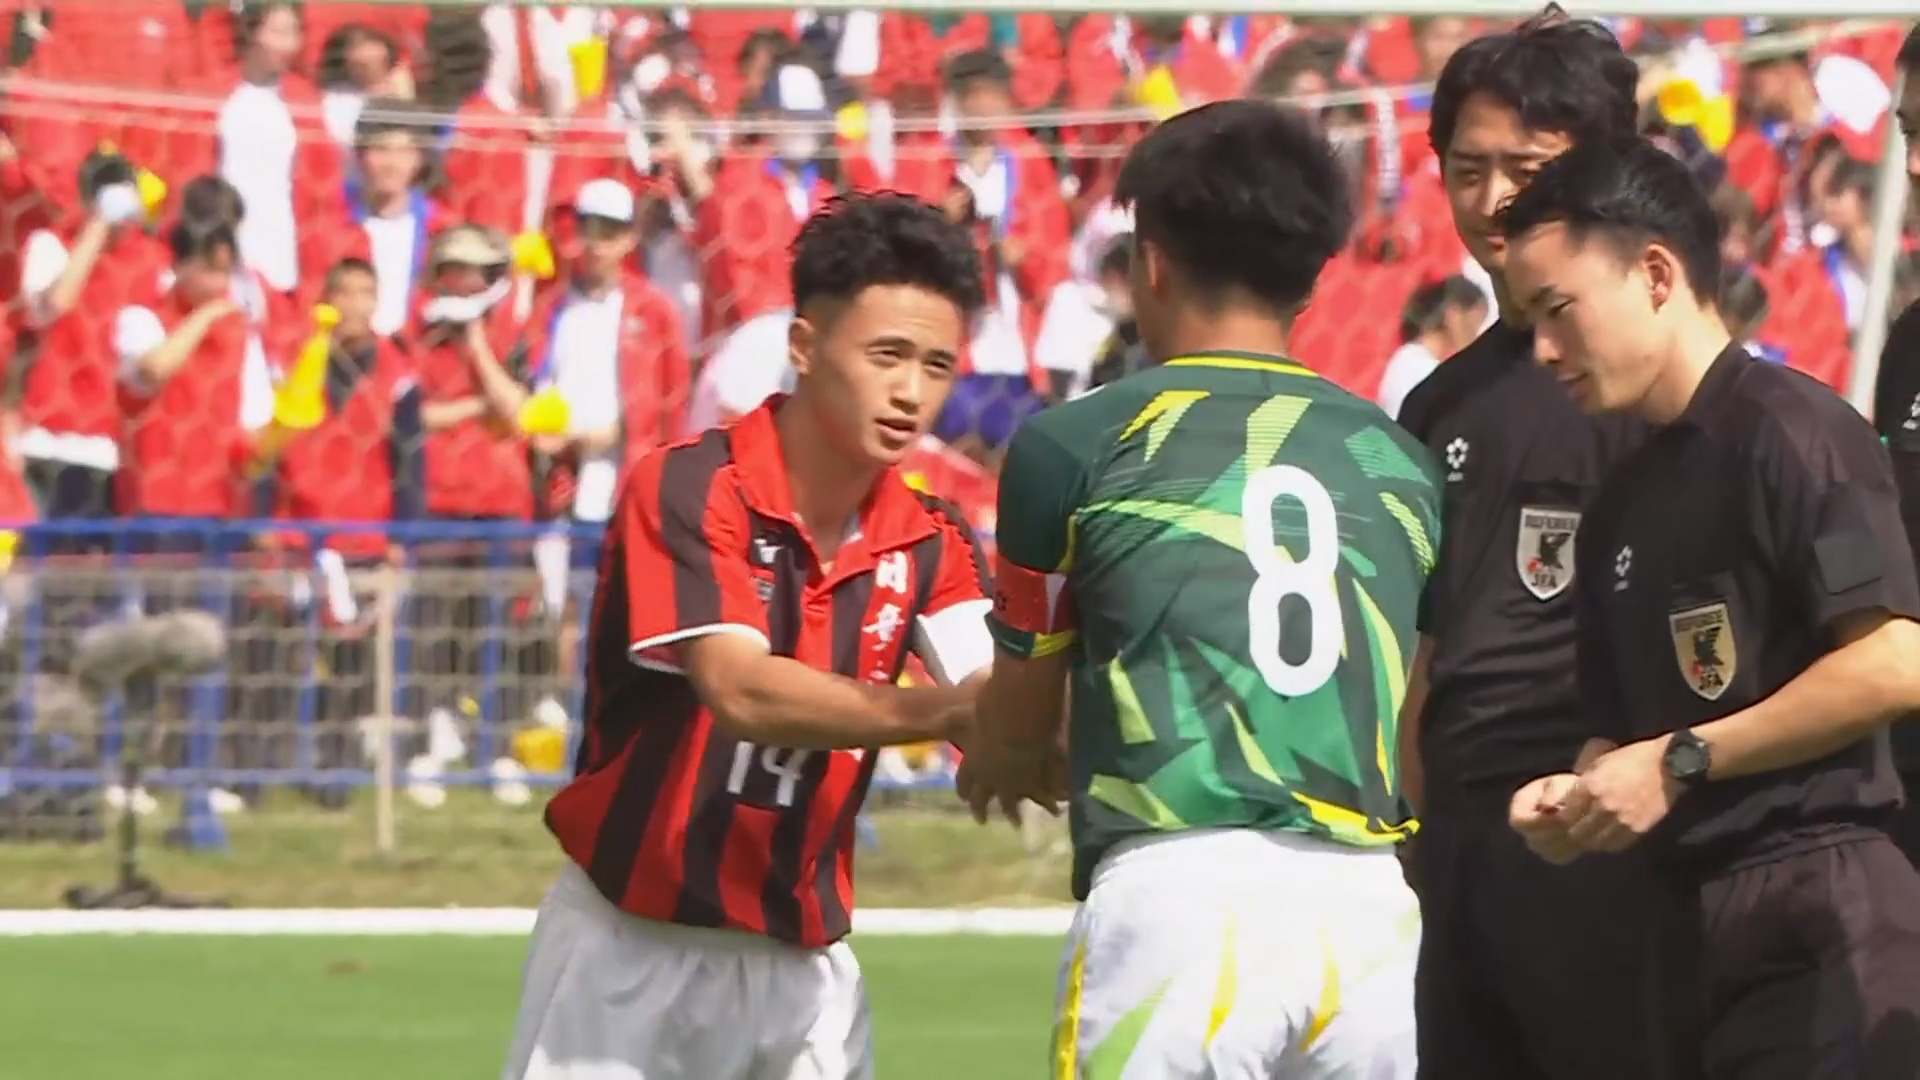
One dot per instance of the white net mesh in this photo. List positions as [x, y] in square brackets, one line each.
[342, 141]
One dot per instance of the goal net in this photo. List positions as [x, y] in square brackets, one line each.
[341, 320]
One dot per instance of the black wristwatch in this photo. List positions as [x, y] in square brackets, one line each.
[1687, 758]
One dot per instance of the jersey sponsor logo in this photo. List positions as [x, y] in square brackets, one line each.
[1543, 554]
[1704, 647]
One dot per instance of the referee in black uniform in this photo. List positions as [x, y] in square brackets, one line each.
[1491, 703]
[1896, 412]
[1745, 605]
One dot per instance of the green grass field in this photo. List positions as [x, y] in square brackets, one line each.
[441, 1008]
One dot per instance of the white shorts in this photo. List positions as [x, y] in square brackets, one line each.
[1234, 954]
[609, 996]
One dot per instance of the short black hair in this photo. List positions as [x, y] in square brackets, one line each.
[1628, 192]
[855, 242]
[212, 198]
[978, 66]
[1240, 195]
[190, 239]
[387, 115]
[103, 169]
[1429, 302]
[249, 14]
[1909, 58]
[348, 266]
[1560, 74]
[1853, 176]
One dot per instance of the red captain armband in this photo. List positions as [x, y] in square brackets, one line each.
[1031, 601]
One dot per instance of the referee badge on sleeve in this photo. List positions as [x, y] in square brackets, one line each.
[1704, 647]
[1543, 553]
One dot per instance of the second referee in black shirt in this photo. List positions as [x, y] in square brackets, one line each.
[1745, 606]
[1491, 702]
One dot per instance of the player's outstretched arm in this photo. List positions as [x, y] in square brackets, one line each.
[775, 701]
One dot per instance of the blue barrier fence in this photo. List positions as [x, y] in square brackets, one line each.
[108, 569]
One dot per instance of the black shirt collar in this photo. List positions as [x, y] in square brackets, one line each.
[1717, 386]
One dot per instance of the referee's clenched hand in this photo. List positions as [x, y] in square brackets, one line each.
[1539, 812]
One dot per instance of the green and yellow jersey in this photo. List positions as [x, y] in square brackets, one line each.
[1233, 549]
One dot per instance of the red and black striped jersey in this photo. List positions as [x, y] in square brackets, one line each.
[673, 819]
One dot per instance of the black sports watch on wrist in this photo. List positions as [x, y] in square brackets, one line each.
[1688, 757]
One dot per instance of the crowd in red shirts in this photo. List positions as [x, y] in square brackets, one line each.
[525, 244]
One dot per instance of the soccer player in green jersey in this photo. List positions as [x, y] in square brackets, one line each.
[1218, 559]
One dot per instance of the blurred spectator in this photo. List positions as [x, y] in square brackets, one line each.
[72, 281]
[538, 53]
[997, 178]
[1439, 320]
[1846, 206]
[1081, 318]
[1743, 303]
[610, 345]
[762, 190]
[194, 384]
[389, 216]
[1739, 224]
[266, 143]
[357, 63]
[470, 406]
[484, 149]
[363, 461]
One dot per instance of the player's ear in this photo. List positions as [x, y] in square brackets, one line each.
[1662, 269]
[801, 340]
[1154, 264]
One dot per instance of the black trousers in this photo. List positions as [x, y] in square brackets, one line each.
[1905, 826]
[1528, 971]
[1804, 967]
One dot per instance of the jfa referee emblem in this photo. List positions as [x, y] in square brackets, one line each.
[1704, 646]
[1544, 552]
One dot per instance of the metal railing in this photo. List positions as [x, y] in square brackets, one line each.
[355, 656]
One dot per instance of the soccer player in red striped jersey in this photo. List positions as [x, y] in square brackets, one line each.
[761, 587]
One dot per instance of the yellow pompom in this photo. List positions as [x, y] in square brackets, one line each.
[1679, 102]
[1714, 122]
[541, 749]
[533, 254]
[9, 546]
[545, 413]
[589, 67]
[1158, 93]
[153, 192]
[851, 121]
[326, 316]
[916, 481]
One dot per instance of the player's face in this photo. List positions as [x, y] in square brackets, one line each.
[878, 368]
[1492, 156]
[1596, 320]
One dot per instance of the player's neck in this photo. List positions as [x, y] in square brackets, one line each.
[1695, 347]
[827, 489]
[1510, 312]
[1227, 332]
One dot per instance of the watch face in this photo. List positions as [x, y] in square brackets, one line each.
[1686, 761]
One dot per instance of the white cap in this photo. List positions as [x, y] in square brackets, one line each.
[605, 198]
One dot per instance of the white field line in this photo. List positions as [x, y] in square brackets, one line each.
[475, 922]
